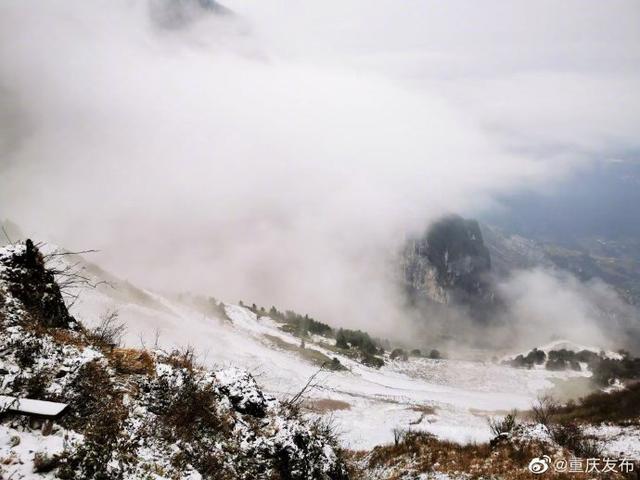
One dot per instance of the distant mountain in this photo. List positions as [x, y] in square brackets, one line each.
[616, 262]
[449, 264]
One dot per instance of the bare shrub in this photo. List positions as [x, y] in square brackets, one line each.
[182, 358]
[544, 409]
[570, 436]
[97, 410]
[192, 411]
[398, 435]
[504, 425]
[294, 404]
[109, 331]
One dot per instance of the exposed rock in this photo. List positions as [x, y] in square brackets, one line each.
[449, 264]
[26, 278]
[243, 391]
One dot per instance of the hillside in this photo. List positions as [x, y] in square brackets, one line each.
[134, 413]
[458, 394]
[161, 407]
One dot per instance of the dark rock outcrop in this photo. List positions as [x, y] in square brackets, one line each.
[449, 264]
[29, 281]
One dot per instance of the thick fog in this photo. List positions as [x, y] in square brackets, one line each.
[282, 153]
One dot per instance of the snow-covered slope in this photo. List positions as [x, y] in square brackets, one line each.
[132, 413]
[450, 398]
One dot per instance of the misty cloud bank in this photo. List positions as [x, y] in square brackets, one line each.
[282, 154]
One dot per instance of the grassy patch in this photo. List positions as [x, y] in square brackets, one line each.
[309, 354]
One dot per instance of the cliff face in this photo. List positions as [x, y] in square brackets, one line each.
[448, 264]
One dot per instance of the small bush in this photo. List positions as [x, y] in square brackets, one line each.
[435, 354]
[192, 411]
[335, 365]
[504, 425]
[357, 339]
[182, 358]
[398, 435]
[371, 360]
[43, 462]
[131, 361]
[98, 412]
[399, 354]
[109, 332]
[570, 436]
[27, 351]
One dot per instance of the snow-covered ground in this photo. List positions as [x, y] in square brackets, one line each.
[18, 448]
[461, 393]
[617, 441]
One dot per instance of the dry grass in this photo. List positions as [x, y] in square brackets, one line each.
[182, 358]
[61, 336]
[131, 361]
[311, 355]
[418, 453]
[66, 337]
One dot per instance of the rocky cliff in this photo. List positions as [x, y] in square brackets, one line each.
[449, 264]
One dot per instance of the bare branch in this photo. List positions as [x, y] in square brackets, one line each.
[64, 253]
[7, 235]
[109, 331]
[70, 277]
[296, 399]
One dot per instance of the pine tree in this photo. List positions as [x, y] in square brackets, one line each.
[341, 340]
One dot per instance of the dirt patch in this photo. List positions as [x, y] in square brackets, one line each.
[325, 405]
[424, 409]
[489, 413]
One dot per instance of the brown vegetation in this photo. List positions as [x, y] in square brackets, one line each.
[131, 361]
[417, 452]
[621, 406]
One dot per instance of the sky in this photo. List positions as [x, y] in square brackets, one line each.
[281, 154]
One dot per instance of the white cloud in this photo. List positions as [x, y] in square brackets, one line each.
[281, 156]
